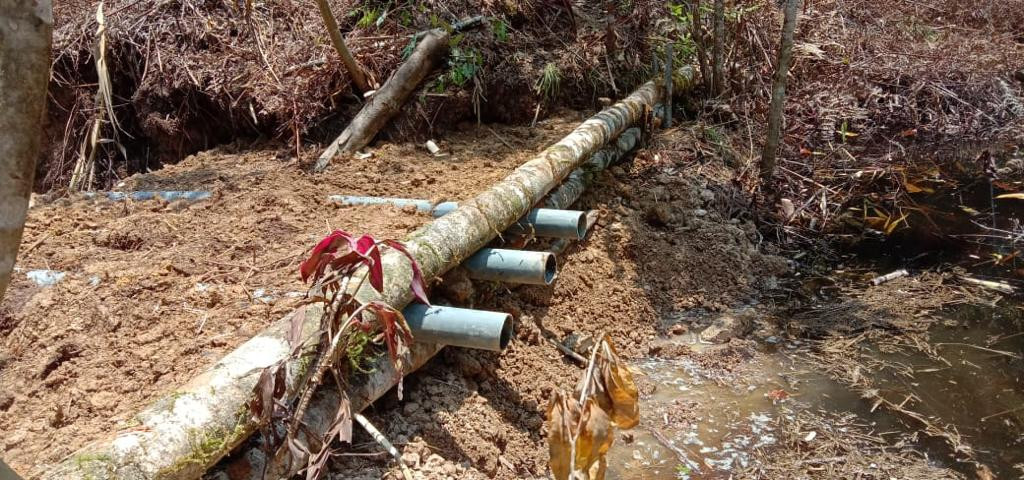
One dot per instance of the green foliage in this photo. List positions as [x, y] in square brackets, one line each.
[463, 65]
[500, 29]
[550, 81]
[408, 49]
[368, 16]
[356, 353]
[735, 15]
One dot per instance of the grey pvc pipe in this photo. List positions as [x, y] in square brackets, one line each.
[459, 327]
[167, 195]
[512, 266]
[542, 222]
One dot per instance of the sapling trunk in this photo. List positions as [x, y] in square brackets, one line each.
[25, 34]
[718, 48]
[771, 144]
[354, 70]
[697, 33]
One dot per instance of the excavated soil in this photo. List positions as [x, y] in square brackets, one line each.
[154, 292]
[666, 242]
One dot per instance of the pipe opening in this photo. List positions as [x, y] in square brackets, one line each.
[506, 332]
[581, 226]
[550, 269]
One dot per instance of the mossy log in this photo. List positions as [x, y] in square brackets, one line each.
[25, 33]
[189, 430]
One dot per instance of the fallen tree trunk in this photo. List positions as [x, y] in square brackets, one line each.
[387, 101]
[187, 431]
[25, 35]
[431, 47]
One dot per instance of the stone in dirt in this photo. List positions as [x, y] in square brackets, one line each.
[725, 328]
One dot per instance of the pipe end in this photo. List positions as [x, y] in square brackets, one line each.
[581, 226]
[506, 332]
[550, 269]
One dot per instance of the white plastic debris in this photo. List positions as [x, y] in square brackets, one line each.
[45, 278]
[433, 148]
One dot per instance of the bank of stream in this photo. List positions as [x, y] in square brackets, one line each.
[781, 404]
[918, 376]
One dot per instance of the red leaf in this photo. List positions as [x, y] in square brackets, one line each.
[367, 246]
[329, 245]
[394, 330]
[418, 285]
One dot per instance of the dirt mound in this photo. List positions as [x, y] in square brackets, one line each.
[152, 292]
[188, 75]
[474, 414]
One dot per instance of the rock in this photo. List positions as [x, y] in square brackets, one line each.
[434, 462]
[13, 440]
[725, 328]
[411, 459]
[678, 329]
[700, 212]
[411, 408]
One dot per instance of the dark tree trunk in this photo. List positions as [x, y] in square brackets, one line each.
[771, 144]
[26, 28]
[698, 40]
[718, 49]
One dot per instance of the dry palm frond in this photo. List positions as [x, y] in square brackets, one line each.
[85, 169]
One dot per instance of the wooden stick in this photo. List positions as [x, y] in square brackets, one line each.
[383, 441]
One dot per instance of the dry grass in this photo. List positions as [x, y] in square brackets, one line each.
[190, 74]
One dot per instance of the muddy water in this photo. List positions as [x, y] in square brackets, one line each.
[696, 427]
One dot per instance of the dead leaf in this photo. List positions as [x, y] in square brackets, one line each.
[1014, 196]
[594, 440]
[562, 416]
[622, 391]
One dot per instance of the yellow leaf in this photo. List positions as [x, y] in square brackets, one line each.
[892, 225]
[562, 418]
[970, 211]
[622, 392]
[1015, 196]
[595, 438]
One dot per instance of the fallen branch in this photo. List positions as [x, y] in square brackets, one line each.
[388, 100]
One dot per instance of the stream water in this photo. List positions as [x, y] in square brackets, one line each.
[710, 429]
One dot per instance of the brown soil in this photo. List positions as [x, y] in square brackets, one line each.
[474, 414]
[155, 292]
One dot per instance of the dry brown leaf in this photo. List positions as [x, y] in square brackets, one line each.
[562, 417]
[594, 441]
[625, 398]
[1015, 196]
